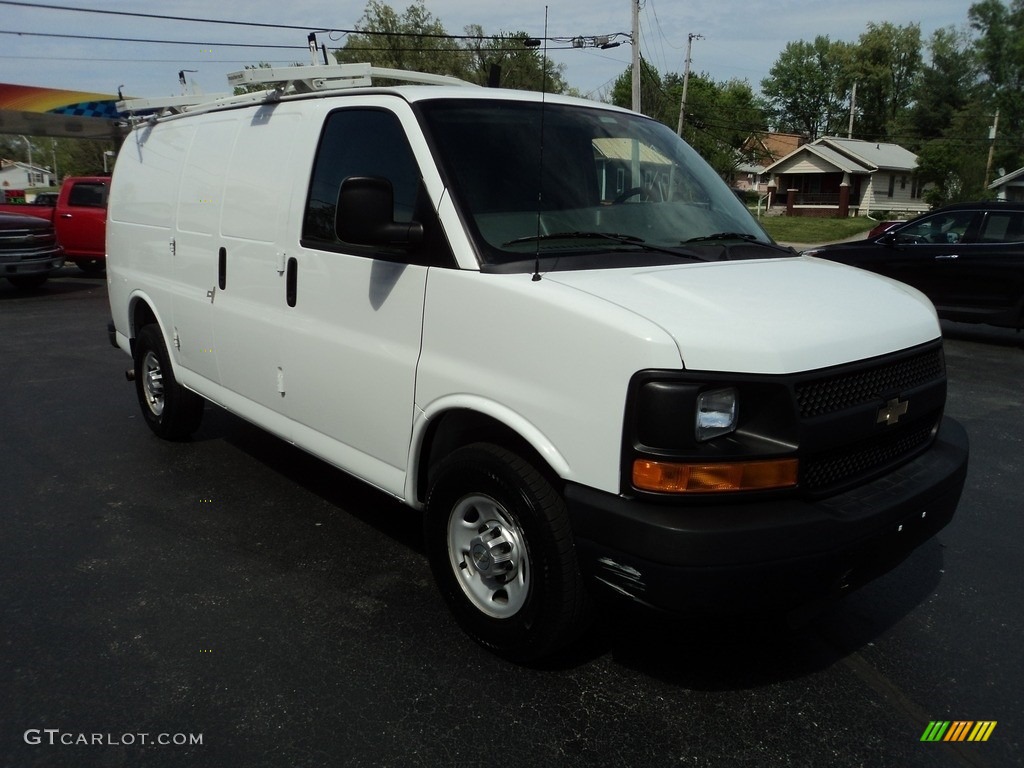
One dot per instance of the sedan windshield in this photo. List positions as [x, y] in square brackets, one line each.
[557, 181]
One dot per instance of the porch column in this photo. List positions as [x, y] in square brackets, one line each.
[790, 201]
[772, 189]
[844, 197]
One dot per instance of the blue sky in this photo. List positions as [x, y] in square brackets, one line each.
[741, 38]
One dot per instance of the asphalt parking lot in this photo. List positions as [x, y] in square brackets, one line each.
[231, 601]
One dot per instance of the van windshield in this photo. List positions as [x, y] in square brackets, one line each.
[609, 188]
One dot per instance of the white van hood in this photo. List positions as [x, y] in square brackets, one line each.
[773, 316]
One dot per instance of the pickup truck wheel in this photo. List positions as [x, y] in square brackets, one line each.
[28, 282]
[92, 266]
[500, 547]
[170, 410]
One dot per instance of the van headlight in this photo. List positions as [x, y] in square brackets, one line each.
[684, 433]
[717, 411]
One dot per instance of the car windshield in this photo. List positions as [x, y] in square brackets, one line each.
[611, 187]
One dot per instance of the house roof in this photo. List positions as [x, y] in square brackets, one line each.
[877, 154]
[839, 160]
[769, 147]
[1015, 176]
[15, 164]
[761, 149]
[851, 156]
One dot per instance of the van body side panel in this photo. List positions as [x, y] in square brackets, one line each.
[196, 239]
[250, 312]
[355, 330]
[557, 358]
[350, 369]
[140, 228]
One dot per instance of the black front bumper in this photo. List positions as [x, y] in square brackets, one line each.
[769, 554]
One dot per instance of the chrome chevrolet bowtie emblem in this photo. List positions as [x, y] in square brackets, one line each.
[890, 413]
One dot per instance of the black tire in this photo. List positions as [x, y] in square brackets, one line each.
[501, 549]
[28, 282]
[92, 266]
[170, 410]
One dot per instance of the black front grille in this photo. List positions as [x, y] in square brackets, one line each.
[834, 469]
[837, 392]
[839, 410]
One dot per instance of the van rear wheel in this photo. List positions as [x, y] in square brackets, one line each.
[500, 547]
[170, 410]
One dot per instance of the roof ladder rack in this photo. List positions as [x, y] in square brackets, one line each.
[328, 77]
[166, 105]
[279, 81]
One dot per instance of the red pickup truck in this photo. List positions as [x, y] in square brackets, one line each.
[80, 217]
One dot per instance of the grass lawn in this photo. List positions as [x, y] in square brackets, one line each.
[809, 229]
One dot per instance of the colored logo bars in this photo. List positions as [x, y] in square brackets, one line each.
[958, 730]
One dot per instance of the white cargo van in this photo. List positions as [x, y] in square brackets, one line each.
[547, 324]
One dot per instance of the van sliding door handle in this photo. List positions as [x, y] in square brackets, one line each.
[222, 268]
[292, 281]
[947, 256]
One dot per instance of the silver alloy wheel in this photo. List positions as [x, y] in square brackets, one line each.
[153, 383]
[488, 555]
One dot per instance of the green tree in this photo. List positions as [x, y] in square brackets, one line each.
[413, 40]
[946, 121]
[1000, 49]
[808, 88]
[886, 61]
[955, 163]
[720, 116]
[67, 157]
[518, 66]
[945, 86]
[654, 100]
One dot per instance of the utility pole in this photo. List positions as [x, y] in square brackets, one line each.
[992, 147]
[853, 108]
[30, 169]
[686, 81]
[636, 54]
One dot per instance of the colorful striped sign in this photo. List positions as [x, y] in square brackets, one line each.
[958, 730]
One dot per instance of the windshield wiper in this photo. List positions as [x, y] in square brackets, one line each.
[615, 237]
[745, 237]
[723, 236]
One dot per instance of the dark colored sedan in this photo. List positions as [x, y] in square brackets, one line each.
[967, 258]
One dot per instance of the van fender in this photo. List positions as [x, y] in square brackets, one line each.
[135, 298]
[495, 411]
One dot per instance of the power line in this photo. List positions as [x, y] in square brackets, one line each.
[161, 17]
[266, 25]
[203, 43]
[207, 44]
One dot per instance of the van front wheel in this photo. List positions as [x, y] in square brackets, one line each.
[170, 410]
[500, 547]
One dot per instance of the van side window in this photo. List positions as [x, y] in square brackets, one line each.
[359, 142]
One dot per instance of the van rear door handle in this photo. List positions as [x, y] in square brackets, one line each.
[292, 282]
[947, 256]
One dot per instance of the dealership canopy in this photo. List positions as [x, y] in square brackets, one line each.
[32, 111]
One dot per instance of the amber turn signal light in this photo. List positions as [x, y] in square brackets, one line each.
[671, 477]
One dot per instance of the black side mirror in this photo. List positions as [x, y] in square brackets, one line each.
[365, 215]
